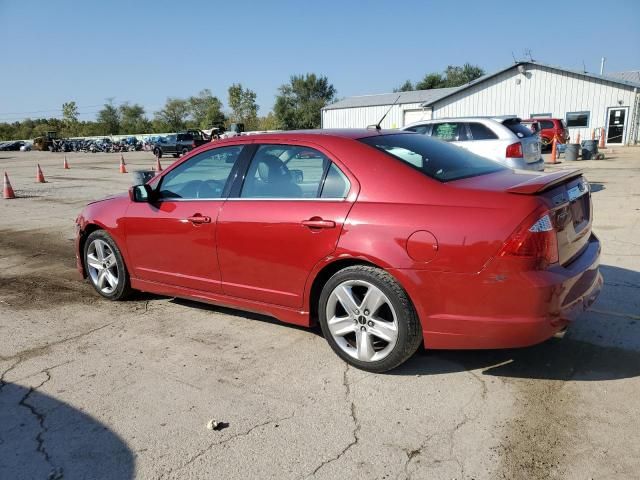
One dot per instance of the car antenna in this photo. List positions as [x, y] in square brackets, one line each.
[377, 125]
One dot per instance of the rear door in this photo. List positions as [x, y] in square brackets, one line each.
[485, 142]
[286, 216]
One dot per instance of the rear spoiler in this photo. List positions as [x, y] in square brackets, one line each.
[540, 183]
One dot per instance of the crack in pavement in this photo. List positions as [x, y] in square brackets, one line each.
[226, 440]
[41, 350]
[356, 425]
[55, 473]
[416, 452]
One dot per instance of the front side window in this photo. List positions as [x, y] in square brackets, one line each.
[285, 171]
[449, 131]
[436, 160]
[203, 176]
[578, 119]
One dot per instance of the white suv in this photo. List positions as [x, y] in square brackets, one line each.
[504, 140]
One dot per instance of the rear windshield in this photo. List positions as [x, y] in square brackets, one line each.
[516, 127]
[436, 159]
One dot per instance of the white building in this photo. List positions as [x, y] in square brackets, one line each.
[526, 89]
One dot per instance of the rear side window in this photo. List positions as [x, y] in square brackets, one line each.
[516, 127]
[481, 132]
[449, 131]
[418, 129]
[288, 171]
[434, 159]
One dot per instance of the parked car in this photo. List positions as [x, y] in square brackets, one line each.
[504, 140]
[179, 144]
[388, 239]
[548, 128]
[13, 146]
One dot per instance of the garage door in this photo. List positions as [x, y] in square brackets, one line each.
[416, 115]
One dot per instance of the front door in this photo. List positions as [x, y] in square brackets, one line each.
[616, 125]
[287, 217]
[172, 240]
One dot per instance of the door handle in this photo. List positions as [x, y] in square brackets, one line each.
[198, 219]
[317, 222]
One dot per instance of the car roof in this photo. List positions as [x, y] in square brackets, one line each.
[349, 133]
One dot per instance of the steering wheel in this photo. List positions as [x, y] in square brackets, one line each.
[210, 189]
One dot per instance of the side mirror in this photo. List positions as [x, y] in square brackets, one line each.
[297, 175]
[140, 193]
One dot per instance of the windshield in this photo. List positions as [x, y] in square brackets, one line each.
[434, 158]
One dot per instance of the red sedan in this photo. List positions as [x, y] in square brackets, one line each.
[387, 239]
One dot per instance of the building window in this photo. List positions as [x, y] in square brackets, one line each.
[577, 119]
[540, 115]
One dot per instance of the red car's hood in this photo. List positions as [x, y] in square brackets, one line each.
[119, 195]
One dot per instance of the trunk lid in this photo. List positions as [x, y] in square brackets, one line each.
[568, 197]
[565, 193]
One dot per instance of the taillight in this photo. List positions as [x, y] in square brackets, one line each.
[537, 241]
[514, 150]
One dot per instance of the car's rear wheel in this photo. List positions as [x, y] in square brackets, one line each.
[368, 319]
[185, 151]
[157, 152]
[105, 266]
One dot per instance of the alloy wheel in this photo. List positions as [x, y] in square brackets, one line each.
[362, 320]
[102, 266]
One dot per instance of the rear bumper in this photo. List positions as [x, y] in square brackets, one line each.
[521, 164]
[495, 309]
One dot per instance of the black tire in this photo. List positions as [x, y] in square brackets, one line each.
[176, 155]
[409, 328]
[185, 151]
[158, 153]
[123, 288]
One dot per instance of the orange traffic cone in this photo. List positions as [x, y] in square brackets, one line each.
[65, 165]
[123, 168]
[39, 175]
[158, 166]
[554, 151]
[7, 190]
[593, 134]
[601, 138]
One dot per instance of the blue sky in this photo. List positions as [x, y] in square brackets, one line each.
[146, 51]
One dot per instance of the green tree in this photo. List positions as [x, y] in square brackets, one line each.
[109, 119]
[407, 86]
[205, 110]
[244, 108]
[174, 114]
[456, 76]
[431, 80]
[268, 122]
[70, 112]
[133, 119]
[300, 101]
[70, 119]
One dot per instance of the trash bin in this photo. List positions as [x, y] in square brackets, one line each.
[572, 151]
[589, 149]
[142, 176]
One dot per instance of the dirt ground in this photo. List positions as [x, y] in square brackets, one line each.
[95, 389]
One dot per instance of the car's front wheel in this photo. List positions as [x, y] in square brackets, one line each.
[368, 319]
[105, 266]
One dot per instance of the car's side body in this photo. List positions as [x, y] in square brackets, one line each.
[499, 139]
[440, 241]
